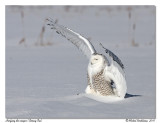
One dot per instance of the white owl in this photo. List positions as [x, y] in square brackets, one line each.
[105, 74]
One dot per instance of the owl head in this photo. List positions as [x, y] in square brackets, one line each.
[98, 61]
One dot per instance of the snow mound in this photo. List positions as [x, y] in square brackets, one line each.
[99, 98]
[104, 99]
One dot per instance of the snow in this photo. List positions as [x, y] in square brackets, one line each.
[49, 80]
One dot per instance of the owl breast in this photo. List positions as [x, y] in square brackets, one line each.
[100, 85]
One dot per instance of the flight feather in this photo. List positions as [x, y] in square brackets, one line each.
[79, 41]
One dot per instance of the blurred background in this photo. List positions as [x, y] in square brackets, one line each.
[121, 25]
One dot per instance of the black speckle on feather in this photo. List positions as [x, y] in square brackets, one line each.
[57, 32]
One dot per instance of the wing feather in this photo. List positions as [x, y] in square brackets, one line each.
[79, 41]
[115, 72]
[113, 56]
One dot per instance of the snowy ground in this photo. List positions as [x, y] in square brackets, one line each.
[47, 79]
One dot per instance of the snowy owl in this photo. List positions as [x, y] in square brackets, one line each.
[106, 76]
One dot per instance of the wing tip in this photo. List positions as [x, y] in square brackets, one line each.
[51, 21]
[114, 57]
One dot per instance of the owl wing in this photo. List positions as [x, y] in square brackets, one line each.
[79, 41]
[113, 57]
[114, 71]
[118, 79]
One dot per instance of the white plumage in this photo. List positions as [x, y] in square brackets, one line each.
[106, 75]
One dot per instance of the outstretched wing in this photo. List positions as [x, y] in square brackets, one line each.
[79, 41]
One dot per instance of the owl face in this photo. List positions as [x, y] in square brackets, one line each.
[97, 60]
[96, 64]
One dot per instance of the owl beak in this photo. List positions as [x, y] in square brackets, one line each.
[91, 63]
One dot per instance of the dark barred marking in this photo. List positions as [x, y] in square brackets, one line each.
[101, 85]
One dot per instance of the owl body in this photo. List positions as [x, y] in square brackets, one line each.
[100, 85]
[97, 82]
